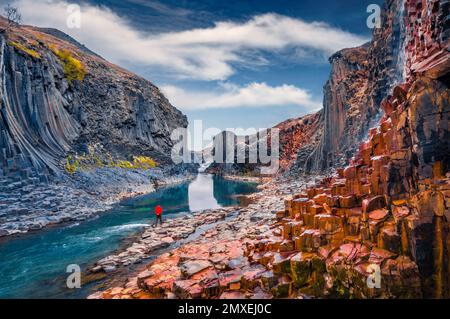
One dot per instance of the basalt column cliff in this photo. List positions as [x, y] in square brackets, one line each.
[76, 132]
[360, 78]
[391, 206]
[58, 97]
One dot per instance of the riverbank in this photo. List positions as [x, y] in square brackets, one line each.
[30, 208]
[152, 239]
[249, 179]
[217, 253]
[39, 259]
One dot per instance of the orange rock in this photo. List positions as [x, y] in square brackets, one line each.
[320, 199]
[373, 203]
[348, 201]
[316, 209]
[378, 214]
[187, 289]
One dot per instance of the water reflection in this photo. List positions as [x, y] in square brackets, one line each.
[201, 193]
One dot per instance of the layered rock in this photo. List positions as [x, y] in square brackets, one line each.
[46, 114]
[345, 115]
[360, 78]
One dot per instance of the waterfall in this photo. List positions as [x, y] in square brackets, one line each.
[400, 46]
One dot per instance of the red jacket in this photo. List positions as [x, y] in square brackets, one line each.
[158, 210]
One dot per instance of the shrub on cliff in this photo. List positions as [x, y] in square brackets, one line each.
[24, 49]
[73, 68]
[72, 164]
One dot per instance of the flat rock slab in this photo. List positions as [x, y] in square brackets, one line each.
[192, 267]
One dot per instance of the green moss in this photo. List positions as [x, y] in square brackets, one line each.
[24, 49]
[282, 290]
[300, 273]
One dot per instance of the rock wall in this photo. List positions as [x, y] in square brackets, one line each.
[360, 78]
[45, 115]
[303, 132]
[390, 208]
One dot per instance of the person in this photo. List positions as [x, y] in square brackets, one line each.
[158, 215]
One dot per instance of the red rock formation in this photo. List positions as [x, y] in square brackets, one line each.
[303, 132]
[391, 206]
[298, 133]
[360, 78]
[344, 108]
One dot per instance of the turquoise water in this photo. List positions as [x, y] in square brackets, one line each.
[34, 265]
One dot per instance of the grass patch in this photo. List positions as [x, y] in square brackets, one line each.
[144, 162]
[76, 162]
[24, 49]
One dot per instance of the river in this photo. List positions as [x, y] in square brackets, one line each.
[34, 265]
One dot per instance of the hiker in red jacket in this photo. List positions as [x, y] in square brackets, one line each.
[158, 215]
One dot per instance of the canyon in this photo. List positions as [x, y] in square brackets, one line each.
[72, 126]
[364, 183]
[384, 206]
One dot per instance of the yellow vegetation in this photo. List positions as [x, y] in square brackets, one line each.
[72, 164]
[24, 49]
[144, 162]
[73, 68]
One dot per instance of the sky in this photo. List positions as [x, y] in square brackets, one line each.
[232, 64]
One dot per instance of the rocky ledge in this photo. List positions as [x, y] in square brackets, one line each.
[171, 232]
[25, 207]
[216, 254]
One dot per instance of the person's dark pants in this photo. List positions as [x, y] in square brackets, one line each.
[158, 218]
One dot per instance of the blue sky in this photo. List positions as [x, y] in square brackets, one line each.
[229, 63]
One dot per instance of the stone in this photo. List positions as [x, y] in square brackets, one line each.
[328, 224]
[304, 266]
[281, 264]
[187, 289]
[268, 280]
[231, 280]
[373, 203]
[308, 241]
[192, 267]
[232, 295]
[282, 289]
[348, 201]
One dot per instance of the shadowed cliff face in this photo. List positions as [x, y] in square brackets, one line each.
[345, 114]
[44, 114]
[360, 78]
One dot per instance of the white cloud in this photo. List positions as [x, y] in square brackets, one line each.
[252, 95]
[206, 54]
